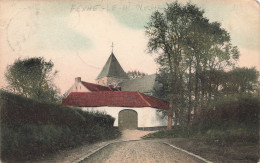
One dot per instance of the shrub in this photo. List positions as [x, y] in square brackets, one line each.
[230, 120]
[97, 118]
[17, 110]
[240, 110]
[31, 128]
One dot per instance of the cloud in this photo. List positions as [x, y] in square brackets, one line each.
[33, 27]
[55, 34]
[130, 44]
[135, 15]
[243, 24]
[77, 36]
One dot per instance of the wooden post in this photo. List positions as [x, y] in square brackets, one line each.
[170, 115]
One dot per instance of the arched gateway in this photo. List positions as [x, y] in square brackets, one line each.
[131, 110]
[127, 119]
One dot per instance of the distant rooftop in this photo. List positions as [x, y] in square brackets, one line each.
[144, 84]
[95, 87]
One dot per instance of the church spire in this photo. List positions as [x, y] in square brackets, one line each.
[112, 47]
[112, 68]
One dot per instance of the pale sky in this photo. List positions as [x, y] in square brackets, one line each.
[77, 35]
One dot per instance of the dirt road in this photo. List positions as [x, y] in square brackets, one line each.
[151, 151]
[142, 151]
[129, 148]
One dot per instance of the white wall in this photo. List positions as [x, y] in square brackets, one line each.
[79, 87]
[76, 87]
[147, 116]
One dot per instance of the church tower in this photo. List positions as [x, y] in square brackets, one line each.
[112, 73]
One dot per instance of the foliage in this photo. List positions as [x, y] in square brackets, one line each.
[240, 81]
[243, 110]
[33, 78]
[232, 120]
[220, 136]
[192, 53]
[30, 128]
[18, 110]
[135, 74]
[167, 32]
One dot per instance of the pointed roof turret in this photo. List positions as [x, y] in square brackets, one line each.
[112, 68]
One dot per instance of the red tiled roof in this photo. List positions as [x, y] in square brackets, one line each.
[113, 98]
[95, 87]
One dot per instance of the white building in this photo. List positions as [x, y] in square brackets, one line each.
[125, 100]
[131, 110]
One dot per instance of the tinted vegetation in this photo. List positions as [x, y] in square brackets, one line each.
[30, 129]
[229, 121]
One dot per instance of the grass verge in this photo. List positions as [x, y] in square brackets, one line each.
[227, 143]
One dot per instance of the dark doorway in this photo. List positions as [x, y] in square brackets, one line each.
[127, 120]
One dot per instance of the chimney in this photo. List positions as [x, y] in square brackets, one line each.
[77, 79]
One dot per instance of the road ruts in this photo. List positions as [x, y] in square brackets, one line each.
[144, 151]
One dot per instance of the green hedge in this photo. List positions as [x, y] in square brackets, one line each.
[230, 120]
[30, 129]
[242, 110]
[18, 110]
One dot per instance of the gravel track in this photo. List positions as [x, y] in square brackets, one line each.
[143, 151]
[153, 150]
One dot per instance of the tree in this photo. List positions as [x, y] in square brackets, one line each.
[188, 47]
[32, 78]
[240, 81]
[210, 46]
[167, 33]
[135, 74]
